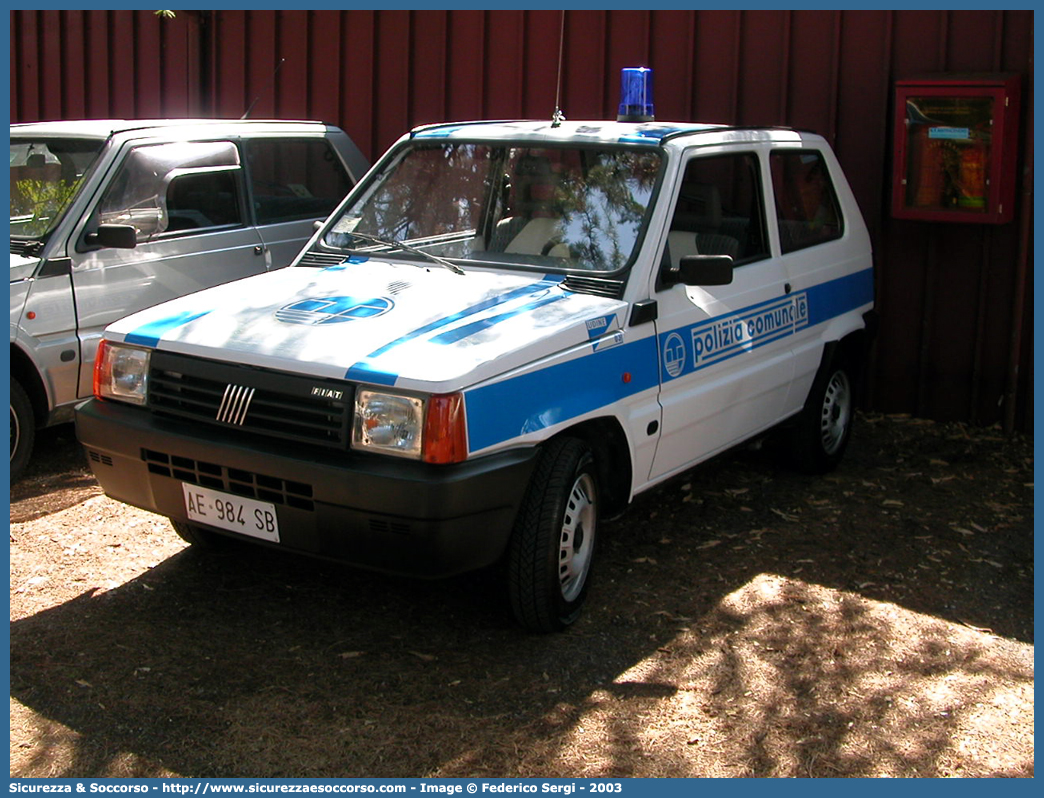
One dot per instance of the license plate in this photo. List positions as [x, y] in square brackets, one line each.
[234, 513]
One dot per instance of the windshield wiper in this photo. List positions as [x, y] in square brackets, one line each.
[407, 248]
[28, 248]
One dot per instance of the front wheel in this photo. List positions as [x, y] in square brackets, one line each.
[23, 429]
[201, 538]
[819, 438]
[553, 543]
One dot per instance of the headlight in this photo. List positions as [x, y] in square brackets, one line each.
[388, 423]
[432, 429]
[121, 372]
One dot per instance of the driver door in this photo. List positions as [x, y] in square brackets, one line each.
[186, 201]
[725, 361]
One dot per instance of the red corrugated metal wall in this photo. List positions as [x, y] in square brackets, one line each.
[97, 64]
[955, 304]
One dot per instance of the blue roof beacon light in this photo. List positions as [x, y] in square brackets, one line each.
[636, 95]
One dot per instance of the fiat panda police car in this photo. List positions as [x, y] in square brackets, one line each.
[504, 333]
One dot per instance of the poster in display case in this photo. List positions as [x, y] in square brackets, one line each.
[956, 140]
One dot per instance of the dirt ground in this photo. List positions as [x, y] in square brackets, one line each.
[744, 621]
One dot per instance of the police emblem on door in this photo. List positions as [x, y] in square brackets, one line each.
[674, 355]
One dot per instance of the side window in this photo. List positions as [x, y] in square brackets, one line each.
[295, 179]
[719, 210]
[173, 188]
[806, 205]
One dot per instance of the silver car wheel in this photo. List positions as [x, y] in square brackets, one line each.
[836, 412]
[578, 536]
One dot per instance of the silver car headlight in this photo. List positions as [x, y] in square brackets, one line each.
[388, 423]
[121, 373]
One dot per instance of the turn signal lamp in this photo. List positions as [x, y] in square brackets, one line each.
[636, 95]
[445, 430]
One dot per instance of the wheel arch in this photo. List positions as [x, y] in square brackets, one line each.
[24, 370]
[854, 349]
[612, 454]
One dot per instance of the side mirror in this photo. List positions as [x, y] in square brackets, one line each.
[698, 270]
[114, 236]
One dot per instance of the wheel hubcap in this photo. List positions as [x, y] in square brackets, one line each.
[577, 540]
[837, 412]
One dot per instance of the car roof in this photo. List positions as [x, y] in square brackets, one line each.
[609, 132]
[104, 128]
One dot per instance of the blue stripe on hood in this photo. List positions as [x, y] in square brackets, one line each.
[150, 334]
[467, 330]
[364, 370]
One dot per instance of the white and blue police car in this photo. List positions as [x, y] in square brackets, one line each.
[505, 332]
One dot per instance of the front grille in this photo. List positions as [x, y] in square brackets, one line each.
[97, 457]
[382, 527]
[254, 401]
[230, 480]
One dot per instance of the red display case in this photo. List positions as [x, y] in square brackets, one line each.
[956, 141]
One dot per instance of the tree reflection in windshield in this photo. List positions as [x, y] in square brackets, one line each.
[553, 208]
[45, 176]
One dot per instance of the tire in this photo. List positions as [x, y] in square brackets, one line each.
[201, 538]
[23, 429]
[553, 542]
[819, 439]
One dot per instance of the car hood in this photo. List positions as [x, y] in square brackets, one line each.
[381, 322]
[22, 268]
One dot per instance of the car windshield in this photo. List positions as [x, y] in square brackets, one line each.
[45, 176]
[549, 208]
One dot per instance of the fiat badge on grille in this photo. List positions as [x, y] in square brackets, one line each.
[235, 404]
[327, 393]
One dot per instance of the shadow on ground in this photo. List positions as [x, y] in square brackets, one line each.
[745, 622]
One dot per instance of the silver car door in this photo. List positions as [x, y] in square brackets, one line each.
[186, 203]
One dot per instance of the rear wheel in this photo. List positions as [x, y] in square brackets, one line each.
[23, 429]
[553, 543]
[819, 438]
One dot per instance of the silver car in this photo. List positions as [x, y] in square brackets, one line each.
[112, 216]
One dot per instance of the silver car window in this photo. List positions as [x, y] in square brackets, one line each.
[167, 188]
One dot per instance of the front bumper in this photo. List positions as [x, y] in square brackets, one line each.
[376, 512]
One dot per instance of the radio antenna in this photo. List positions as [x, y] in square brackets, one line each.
[558, 117]
[272, 85]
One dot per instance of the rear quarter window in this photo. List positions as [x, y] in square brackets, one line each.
[294, 179]
[807, 208]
